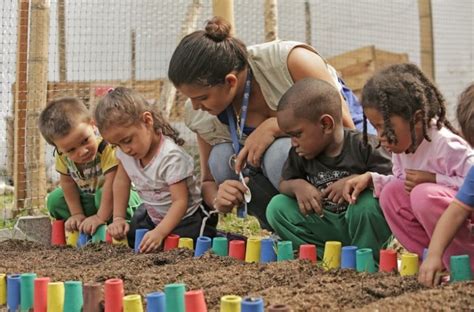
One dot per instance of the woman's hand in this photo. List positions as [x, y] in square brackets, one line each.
[415, 177]
[151, 241]
[229, 195]
[119, 228]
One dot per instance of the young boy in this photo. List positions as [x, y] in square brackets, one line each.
[323, 156]
[86, 164]
[455, 220]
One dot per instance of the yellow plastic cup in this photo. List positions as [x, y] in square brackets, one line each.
[3, 289]
[119, 242]
[55, 297]
[230, 303]
[252, 253]
[332, 255]
[71, 238]
[132, 303]
[186, 242]
[409, 264]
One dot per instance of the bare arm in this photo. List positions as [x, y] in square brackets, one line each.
[106, 202]
[208, 185]
[121, 192]
[73, 201]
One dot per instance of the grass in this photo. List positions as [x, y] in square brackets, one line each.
[248, 226]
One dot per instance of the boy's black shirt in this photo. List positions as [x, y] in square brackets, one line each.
[356, 157]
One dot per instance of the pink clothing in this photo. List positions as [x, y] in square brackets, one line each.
[447, 155]
[412, 217]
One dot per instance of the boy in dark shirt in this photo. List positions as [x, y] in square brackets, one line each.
[311, 208]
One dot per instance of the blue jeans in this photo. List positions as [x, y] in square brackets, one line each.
[273, 161]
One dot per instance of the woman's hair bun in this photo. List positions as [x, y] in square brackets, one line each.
[217, 29]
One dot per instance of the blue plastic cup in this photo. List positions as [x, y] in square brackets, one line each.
[203, 244]
[250, 304]
[13, 292]
[425, 254]
[348, 257]
[155, 302]
[83, 239]
[267, 250]
[139, 233]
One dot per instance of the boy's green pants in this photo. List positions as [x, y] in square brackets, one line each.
[362, 224]
[58, 209]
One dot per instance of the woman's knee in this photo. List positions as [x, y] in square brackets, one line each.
[274, 159]
[219, 162]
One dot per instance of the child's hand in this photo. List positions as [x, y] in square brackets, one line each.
[229, 195]
[119, 228]
[354, 186]
[334, 192]
[74, 222]
[90, 224]
[309, 198]
[430, 270]
[151, 241]
[415, 177]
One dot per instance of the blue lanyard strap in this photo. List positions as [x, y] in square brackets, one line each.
[243, 115]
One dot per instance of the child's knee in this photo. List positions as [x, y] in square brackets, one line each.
[277, 207]
[423, 197]
[390, 191]
[367, 207]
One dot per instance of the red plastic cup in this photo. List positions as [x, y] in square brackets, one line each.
[108, 238]
[237, 249]
[58, 236]
[308, 252]
[194, 301]
[171, 242]
[40, 298]
[113, 293]
[92, 293]
[388, 260]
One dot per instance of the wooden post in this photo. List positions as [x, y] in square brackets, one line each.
[62, 40]
[307, 15]
[19, 173]
[426, 38]
[271, 20]
[168, 92]
[225, 9]
[37, 97]
[133, 50]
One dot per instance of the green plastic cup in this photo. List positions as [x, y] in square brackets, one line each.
[73, 299]
[220, 246]
[27, 291]
[285, 251]
[174, 297]
[365, 260]
[99, 235]
[460, 268]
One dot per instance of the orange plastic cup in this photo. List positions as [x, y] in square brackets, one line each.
[194, 301]
[40, 298]
[113, 293]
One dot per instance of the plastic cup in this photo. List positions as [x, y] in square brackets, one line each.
[55, 297]
[174, 297]
[139, 233]
[285, 251]
[308, 252]
[13, 291]
[365, 260]
[252, 253]
[425, 253]
[409, 264]
[132, 303]
[194, 301]
[203, 244]
[108, 238]
[279, 308]
[348, 257]
[250, 304]
[332, 255]
[72, 238]
[123, 242]
[267, 250]
[186, 242]
[3, 289]
[460, 268]
[220, 246]
[155, 302]
[171, 242]
[73, 300]
[58, 236]
[99, 235]
[237, 249]
[92, 297]
[388, 260]
[27, 289]
[231, 303]
[113, 292]
[40, 303]
[83, 239]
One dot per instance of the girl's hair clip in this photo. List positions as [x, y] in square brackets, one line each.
[110, 90]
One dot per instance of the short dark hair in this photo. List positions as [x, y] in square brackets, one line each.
[465, 113]
[311, 98]
[60, 116]
[205, 57]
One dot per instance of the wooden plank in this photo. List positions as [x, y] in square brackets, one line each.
[352, 57]
[426, 38]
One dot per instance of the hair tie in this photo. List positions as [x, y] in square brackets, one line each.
[110, 90]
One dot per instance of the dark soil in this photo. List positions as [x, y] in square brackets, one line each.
[299, 284]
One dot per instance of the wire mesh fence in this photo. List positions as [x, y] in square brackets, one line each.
[83, 47]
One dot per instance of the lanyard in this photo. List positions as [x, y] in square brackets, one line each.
[236, 133]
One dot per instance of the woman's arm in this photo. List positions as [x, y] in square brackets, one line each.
[303, 63]
[208, 185]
